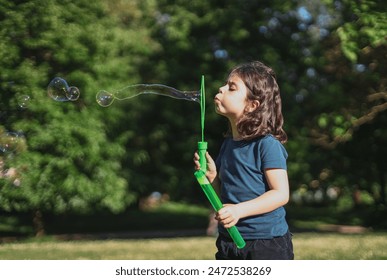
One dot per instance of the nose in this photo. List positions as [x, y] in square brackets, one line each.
[221, 89]
[218, 94]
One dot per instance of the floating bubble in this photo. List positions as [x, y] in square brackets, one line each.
[8, 142]
[105, 98]
[73, 93]
[23, 101]
[59, 90]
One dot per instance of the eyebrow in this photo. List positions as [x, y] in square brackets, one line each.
[233, 86]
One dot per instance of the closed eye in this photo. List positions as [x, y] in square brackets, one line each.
[232, 86]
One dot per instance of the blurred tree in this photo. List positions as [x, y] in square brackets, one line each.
[330, 62]
[70, 163]
[328, 56]
[353, 100]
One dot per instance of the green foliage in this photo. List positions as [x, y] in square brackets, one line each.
[367, 29]
[70, 165]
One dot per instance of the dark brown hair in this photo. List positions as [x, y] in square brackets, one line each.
[261, 84]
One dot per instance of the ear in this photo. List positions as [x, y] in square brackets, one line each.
[253, 105]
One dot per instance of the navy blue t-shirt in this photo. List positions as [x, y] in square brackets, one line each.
[241, 166]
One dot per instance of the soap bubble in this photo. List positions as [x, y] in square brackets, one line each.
[23, 101]
[59, 90]
[105, 98]
[8, 142]
[73, 93]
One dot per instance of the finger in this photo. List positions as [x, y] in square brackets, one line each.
[196, 161]
[210, 160]
[197, 165]
[225, 216]
[219, 217]
[229, 225]
[221, 212]
[224, 210]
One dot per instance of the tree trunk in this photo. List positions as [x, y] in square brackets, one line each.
[38, 223]
[356, 196]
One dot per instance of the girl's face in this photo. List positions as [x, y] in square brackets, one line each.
[231, 99]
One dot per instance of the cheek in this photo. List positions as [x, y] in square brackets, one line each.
[239, 103]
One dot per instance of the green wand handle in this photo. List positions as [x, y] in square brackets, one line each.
[202, 149]
[217, 205]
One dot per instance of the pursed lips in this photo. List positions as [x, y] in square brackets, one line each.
[217, 103]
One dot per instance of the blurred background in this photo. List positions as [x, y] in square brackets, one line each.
[73, 167]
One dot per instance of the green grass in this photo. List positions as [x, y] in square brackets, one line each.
[336, 246]
[313, 238]
[143, 249]
[307, 246]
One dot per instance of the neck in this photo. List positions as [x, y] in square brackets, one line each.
[234, 131]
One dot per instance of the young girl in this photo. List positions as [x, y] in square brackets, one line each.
[251, 166]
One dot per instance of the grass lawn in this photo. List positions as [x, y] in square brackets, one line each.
[87, 241]
[307, 246]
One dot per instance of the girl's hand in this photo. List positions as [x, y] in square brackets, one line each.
[211, 167]
[229, 215]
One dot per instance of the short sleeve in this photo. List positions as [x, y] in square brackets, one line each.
[273, 153]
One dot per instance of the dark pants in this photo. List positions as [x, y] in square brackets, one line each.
[278, 248]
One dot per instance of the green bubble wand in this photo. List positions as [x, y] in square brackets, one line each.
[201, 174]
